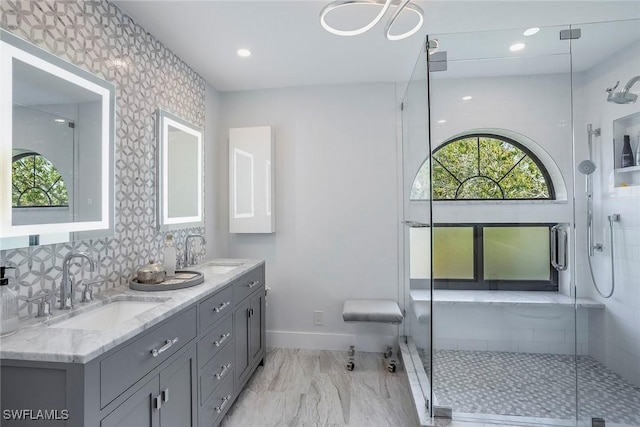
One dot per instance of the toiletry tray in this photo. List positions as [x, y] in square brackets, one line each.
[182, 279]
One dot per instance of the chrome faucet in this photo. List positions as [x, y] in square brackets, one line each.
[187, 261]
[66, 287]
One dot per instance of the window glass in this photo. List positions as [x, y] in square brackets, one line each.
[516, 253]
[453, 256]
[483, 167]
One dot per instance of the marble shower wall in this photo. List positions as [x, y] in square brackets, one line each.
[98, 37]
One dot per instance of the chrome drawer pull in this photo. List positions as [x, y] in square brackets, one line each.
[222, 373]
[253, 284]
[226, 400]
[165, 395]
[222, 339]
[165, 347]
[222, 306]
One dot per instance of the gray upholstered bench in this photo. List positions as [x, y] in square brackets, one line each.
[378, 311]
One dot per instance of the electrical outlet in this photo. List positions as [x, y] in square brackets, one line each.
[318, 318]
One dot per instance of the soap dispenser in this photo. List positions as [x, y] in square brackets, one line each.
[169, 256]
[8, 306]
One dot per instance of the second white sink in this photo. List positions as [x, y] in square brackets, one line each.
[107, 316]
[222, 267]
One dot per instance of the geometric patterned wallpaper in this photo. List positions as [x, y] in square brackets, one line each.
[98, 37]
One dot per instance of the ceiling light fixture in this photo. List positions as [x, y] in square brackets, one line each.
[516, 47]
[243, 53]
[467, 98]
[531, 31]
[442, 121]
[400, 6]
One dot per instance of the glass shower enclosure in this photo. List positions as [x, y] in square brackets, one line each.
[502, 227]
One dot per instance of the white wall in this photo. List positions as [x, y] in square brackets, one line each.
[336, 218]
[214, 178]
[614, 335]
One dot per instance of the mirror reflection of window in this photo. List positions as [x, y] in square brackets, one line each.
[36, 183]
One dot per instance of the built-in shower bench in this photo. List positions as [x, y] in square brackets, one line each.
[420, 299]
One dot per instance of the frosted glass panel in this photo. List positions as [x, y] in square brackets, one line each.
[516, 253]
[453, 253]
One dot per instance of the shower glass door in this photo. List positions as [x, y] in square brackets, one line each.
[504, 337]
[416, 232]
[608, 273]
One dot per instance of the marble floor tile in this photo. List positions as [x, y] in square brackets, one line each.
[314, 388]
[289, 371]
[263, 408]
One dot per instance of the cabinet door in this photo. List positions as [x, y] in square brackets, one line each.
[139, 410]
[178, 392]
[255, 326]
[251, 176]
[241, 331]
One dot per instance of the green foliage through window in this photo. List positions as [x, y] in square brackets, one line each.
[483, 167]
[36, 183]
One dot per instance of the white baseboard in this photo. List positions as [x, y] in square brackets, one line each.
[323, 341]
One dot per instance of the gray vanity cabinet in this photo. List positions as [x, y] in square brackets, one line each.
[178, 391]
[164, 401]
[138, 410]
[185, 371]
[248, 321]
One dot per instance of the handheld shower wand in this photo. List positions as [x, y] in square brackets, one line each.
[587, 167]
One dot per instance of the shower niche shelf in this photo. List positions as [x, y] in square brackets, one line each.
[628, 125]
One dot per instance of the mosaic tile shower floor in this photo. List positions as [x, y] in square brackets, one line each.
[532, 385]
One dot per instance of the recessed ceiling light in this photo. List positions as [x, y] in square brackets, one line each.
[516, 47]
[467, 98]
[531, 31]
[244, 53]
[442, 121]
[59, 120]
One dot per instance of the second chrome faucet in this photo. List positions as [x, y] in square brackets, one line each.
[66, 287]
[189, 258]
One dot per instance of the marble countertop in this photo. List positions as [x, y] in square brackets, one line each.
[532, 298]
[34, 340]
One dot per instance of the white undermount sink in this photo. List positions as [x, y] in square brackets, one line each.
[108, 316]
[222, 267]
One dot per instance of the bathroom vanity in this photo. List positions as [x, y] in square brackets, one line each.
[181, 362]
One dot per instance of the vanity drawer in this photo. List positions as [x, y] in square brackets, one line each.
[218, 404]
[123, 368]
[215, 308]
[247, 284]
[214, 341]
[216, 371]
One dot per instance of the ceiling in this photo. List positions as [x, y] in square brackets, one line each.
[290, 48]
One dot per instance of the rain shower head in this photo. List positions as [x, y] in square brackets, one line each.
[624, 96]
[586, 167]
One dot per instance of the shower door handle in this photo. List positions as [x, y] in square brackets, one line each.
[555, 258]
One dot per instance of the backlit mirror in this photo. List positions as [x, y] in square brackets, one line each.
[56, 148]
[179, 173]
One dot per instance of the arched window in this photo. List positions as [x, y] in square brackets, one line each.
[484, 167]
[36, 182]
